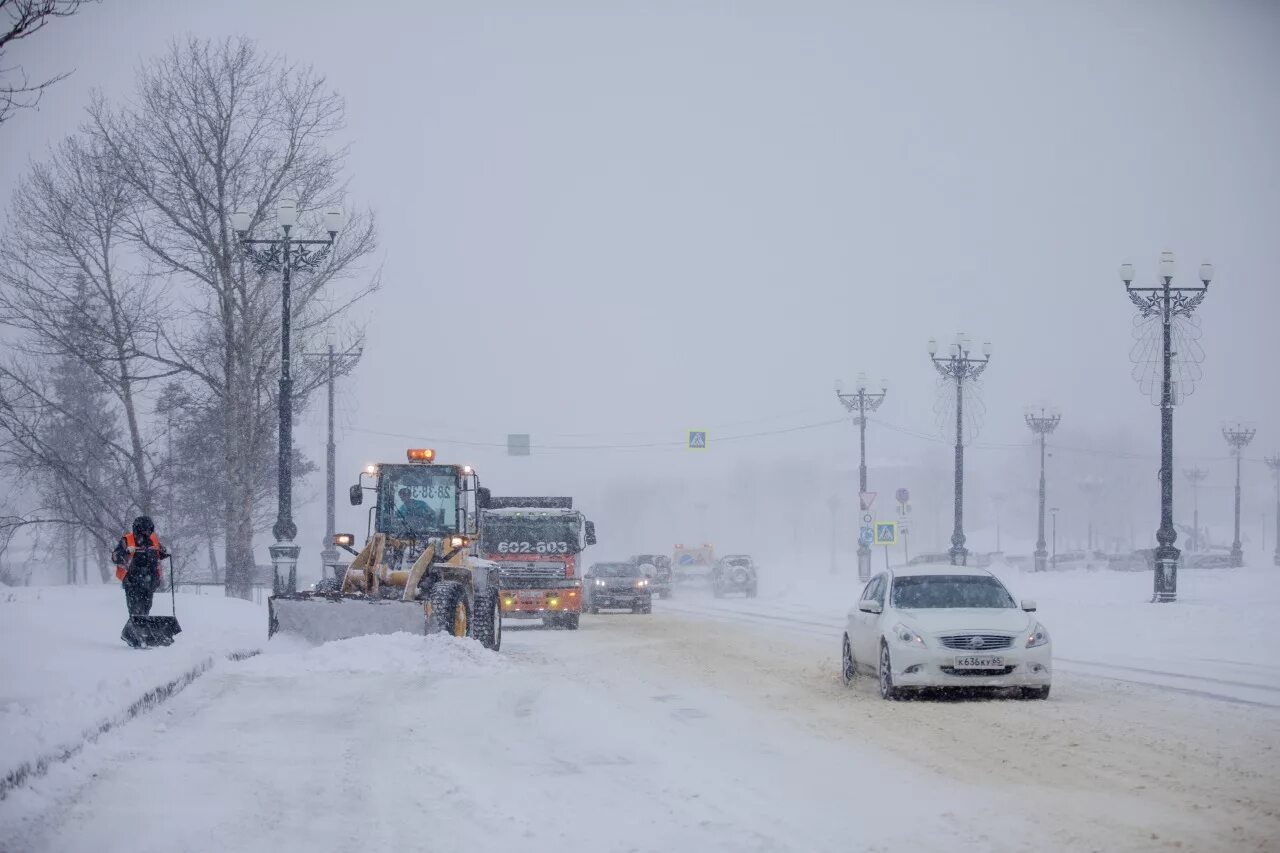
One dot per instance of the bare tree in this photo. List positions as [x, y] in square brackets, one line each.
[216, 127]
[20, 19]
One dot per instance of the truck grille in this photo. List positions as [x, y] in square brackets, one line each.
[966, 642]
[538, 570]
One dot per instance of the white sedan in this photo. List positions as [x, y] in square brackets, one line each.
[945, 626]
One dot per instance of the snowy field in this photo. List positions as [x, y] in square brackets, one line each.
[712, 725]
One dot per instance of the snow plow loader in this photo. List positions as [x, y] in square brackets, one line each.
[418, 571]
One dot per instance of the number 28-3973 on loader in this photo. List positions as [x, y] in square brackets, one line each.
[418, 571]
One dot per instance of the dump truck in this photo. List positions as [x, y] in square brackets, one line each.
[692, 564]
[536, 543]
[419, 570]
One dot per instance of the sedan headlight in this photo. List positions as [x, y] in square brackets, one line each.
[909, 636]
[1037, 636]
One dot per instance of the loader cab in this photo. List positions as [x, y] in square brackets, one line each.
[420, 500]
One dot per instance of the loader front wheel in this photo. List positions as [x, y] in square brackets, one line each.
[450, 613]
[486, 622]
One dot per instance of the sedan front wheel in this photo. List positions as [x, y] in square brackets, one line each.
[848, 668]
[887, 690]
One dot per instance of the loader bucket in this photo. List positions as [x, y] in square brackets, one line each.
[320, 618]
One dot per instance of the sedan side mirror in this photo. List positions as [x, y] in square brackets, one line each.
[870, 605]
[1029, 605]
[357, 495]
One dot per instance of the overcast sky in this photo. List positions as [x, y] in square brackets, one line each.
[640, 218]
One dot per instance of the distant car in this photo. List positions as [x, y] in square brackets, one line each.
[657, 568]
[929, 559]
[616, 586]
[945, 626]
[734, 573]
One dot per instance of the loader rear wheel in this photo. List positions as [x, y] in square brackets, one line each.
[450, 612]
[486, 622]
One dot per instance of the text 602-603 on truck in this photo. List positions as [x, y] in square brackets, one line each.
[537, 543]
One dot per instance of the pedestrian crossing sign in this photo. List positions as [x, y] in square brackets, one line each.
[886, 533]
[697, 439]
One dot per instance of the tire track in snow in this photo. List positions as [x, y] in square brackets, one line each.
[1186, 683]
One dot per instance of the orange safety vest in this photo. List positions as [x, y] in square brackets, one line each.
[131, 545]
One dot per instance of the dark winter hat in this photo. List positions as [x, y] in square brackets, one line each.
[143, 526]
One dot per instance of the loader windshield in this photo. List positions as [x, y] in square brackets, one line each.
[417, 501]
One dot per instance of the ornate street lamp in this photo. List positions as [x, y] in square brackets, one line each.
[1042, 424]
[285, 254]
[859, 402]
[1273, 462]
[1238, 437]
[1163, 311]
[956, 365]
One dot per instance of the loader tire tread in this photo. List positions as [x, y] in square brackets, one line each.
[445, 597]
[486, 621]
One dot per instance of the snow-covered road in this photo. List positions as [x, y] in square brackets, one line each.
[711, 725]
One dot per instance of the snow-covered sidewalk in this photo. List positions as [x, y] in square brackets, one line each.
[66, 676]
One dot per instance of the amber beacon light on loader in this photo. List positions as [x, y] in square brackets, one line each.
[419, 570]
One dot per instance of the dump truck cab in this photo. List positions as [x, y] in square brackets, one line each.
[419, 569]
[537, 543]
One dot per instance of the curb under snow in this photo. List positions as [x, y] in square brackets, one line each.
[29, 770]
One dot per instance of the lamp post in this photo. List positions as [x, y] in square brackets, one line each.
[1042, 424]
[335, 362]
[1238, 437]
[859, 402]
[1273, 462]
[1195, 476]
[1054, 561]
[1166, 302]
[284, 254]
[958, 366]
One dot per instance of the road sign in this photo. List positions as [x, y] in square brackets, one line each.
[886, 533]
[866, 519]
[697, 439]
[866, 536]
[518, 444]
[903, 496]
[866, 499]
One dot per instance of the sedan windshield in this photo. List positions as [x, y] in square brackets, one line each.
[616, 570]
[950, 591]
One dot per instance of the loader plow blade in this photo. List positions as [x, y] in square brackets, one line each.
[322, 618]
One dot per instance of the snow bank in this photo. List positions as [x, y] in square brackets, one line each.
[67, 675]
[401, 653]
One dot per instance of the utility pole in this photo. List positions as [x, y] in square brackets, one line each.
[1042, 424]
[335, 364]
[1195, 476]
[958, 366]
[1273, 462]
[1168, 303]
[1054, 510]
[1238, 437]
[861, 401]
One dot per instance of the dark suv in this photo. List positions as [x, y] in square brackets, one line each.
[617, 586]
[734, 573]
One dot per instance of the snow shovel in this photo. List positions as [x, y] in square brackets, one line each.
[154, 630]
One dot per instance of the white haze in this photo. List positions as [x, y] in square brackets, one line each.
[605, 224]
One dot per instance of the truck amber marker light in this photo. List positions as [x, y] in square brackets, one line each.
[421, 454]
